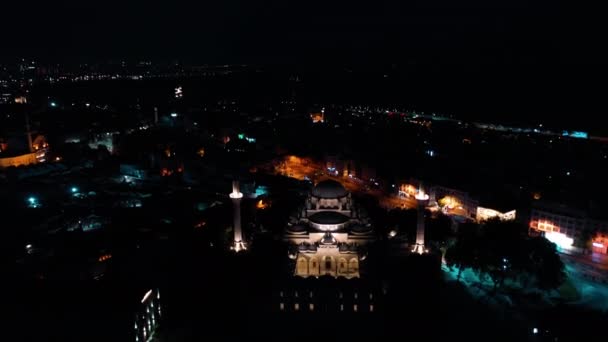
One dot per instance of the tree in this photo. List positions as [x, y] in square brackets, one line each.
[439, 229]
[544, 264]
[462, 254]
[502, 250]
[585, 238]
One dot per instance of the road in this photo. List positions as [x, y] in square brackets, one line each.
[307, 169]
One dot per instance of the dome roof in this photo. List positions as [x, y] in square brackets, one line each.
[329, 189]
[297, 229]
[328, 217]
[361, 230]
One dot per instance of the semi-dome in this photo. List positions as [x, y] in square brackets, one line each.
[329, 189]
[328, 217]
[361, 230]
[297, 229]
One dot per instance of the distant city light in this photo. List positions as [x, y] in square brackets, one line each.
[241, 136]
[598, 245]
[535, 331]
[28, 246]
[33, 202]
[173, 115]
[53, 104]
[575, 134]
[74, 189]
[178, 92]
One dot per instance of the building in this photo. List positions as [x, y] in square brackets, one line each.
[484, 214]
[569, 225]
[329, 233]
[147, 316]
[454, 201]
[328, 297]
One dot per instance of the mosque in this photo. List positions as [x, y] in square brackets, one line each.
[328, 233]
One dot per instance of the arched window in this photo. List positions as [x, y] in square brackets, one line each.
[342, 266]
[302, 268]
[353, 265]
[313, 266]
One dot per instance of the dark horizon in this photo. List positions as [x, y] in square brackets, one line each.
[238, 32]
[537, 60]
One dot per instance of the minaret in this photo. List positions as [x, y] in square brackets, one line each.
[28, 132]
[236, 197]
[422, 200]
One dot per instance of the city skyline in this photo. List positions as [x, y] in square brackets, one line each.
[303, 170]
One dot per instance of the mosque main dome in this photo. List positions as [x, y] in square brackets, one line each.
[328, 217]
[329, 189]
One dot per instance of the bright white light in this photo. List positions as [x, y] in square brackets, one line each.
[598, 245]
[561, 240]
[421, 196]
[53, 104]
[535, 331]
[74, 189]
[32, 200]
[28, 246]
[235, 194]
[173, 115]
[146, 296]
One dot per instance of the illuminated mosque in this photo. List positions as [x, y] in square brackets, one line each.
[20, 152]
[328, 234]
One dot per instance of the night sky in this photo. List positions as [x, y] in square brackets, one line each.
[239, 31]
[516, 51]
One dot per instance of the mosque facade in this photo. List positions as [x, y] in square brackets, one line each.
[329, 233]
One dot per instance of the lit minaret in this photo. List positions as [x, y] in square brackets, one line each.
[29, 133]
[422, 200]
[236, 197]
